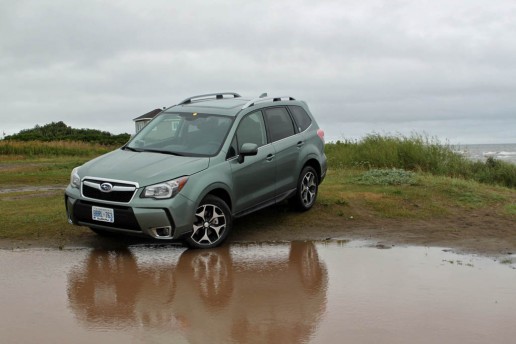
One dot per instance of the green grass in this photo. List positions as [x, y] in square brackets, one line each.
[39, 215]
[33, 216]
[417, 153]
[44, 163]
[387, 177]
[38, 171]
[511, 209]
[23, 150]
[351, 191]
[420, 154]
[431, 196]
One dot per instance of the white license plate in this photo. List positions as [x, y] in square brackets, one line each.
[102, 214]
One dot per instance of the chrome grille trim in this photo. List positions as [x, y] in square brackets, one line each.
[115, 188]
[123, 186]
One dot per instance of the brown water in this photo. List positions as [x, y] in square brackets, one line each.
[272, 293]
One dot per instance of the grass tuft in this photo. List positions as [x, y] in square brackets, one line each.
[387, 177]
[511, 209]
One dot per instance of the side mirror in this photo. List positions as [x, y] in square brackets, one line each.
[247, 149]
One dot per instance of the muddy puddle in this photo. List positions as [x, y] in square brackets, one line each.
[301, 292]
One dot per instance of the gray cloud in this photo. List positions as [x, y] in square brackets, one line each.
[446, 68]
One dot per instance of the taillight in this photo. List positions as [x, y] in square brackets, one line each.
[320, 133]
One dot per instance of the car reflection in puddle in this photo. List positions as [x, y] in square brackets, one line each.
[276, 294]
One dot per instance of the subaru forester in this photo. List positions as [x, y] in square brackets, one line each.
[198, 165]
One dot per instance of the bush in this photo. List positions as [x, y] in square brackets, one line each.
[61, 132]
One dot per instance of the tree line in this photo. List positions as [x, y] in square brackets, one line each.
[59, 131]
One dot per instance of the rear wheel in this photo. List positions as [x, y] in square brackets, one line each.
[306, 188]
[212, 223]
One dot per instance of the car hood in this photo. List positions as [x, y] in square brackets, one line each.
[145, 168]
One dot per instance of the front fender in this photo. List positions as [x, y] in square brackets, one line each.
[216, 180]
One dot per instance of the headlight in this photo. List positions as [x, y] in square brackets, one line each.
[164, 190]
[75, 180]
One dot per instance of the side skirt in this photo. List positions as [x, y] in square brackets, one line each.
[266, 204]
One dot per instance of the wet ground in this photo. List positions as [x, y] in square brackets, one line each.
[300, 292]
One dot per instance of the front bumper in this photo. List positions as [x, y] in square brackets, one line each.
[159, 219]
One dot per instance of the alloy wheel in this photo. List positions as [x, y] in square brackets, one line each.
[209, 226]
[308, 189]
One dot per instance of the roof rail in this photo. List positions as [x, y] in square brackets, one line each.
[218, 95]
[252, 102]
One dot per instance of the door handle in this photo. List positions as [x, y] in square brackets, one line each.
[300, 144]
[269, 157]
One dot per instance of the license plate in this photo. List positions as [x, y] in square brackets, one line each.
[102, 214]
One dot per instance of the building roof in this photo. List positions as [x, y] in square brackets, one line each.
[149, 115]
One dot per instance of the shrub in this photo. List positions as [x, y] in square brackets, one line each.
[61, 132]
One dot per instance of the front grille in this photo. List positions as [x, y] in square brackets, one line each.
[121, 192]
[124, 216]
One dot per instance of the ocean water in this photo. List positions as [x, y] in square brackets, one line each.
[504, 152]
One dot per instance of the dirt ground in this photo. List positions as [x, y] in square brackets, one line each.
[475, 231]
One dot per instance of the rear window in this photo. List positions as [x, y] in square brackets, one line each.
[302, 119]
[279, 123]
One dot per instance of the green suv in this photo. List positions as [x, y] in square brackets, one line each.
[199, 164]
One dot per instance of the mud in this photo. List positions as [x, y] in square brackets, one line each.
[299, 292]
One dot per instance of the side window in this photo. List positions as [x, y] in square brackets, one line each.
[252, 130]
[232, 152]
[279, 123]
[302, 119]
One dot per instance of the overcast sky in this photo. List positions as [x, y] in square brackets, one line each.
[446, 68]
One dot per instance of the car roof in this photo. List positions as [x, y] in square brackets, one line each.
[220, 104]
[225, 106]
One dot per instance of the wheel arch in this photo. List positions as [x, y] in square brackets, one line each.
[314, 163]
[219, 190]
[223, 195]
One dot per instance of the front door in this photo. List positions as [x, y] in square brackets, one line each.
[253, 179]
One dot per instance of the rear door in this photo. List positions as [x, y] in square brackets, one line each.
[287, 143]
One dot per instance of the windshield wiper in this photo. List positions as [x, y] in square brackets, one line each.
[132, 149]
[160, 151]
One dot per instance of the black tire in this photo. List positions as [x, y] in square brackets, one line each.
[307, 188]
[212, 223]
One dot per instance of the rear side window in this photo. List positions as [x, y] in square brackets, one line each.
[302, 119]
[279, 123]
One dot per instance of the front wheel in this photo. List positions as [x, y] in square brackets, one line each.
[306, 188]
[212, 223]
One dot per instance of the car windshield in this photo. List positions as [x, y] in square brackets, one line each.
[184, 134]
